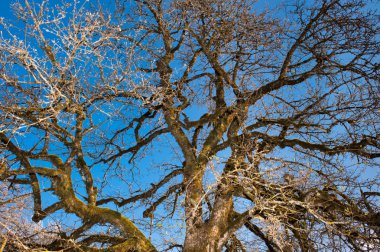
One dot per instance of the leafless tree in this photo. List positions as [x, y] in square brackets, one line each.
[17, 232]
[222, 125]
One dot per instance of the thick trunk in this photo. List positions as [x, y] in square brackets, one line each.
[198, 236]
[196, 241]
[200, 240]
[209, 236]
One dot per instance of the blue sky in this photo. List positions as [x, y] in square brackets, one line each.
[5, 8]
[148, 169]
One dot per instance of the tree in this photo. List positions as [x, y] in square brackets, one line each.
[257, 129]
[17, 232]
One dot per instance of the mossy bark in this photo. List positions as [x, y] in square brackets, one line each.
[136, 240]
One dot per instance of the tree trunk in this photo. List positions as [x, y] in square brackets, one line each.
[197, 240]
[209, 237]
[201, 240]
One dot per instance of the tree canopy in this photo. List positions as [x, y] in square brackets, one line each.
[203, 125]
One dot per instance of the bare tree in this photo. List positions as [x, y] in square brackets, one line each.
[258, 129]
[17, 232]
